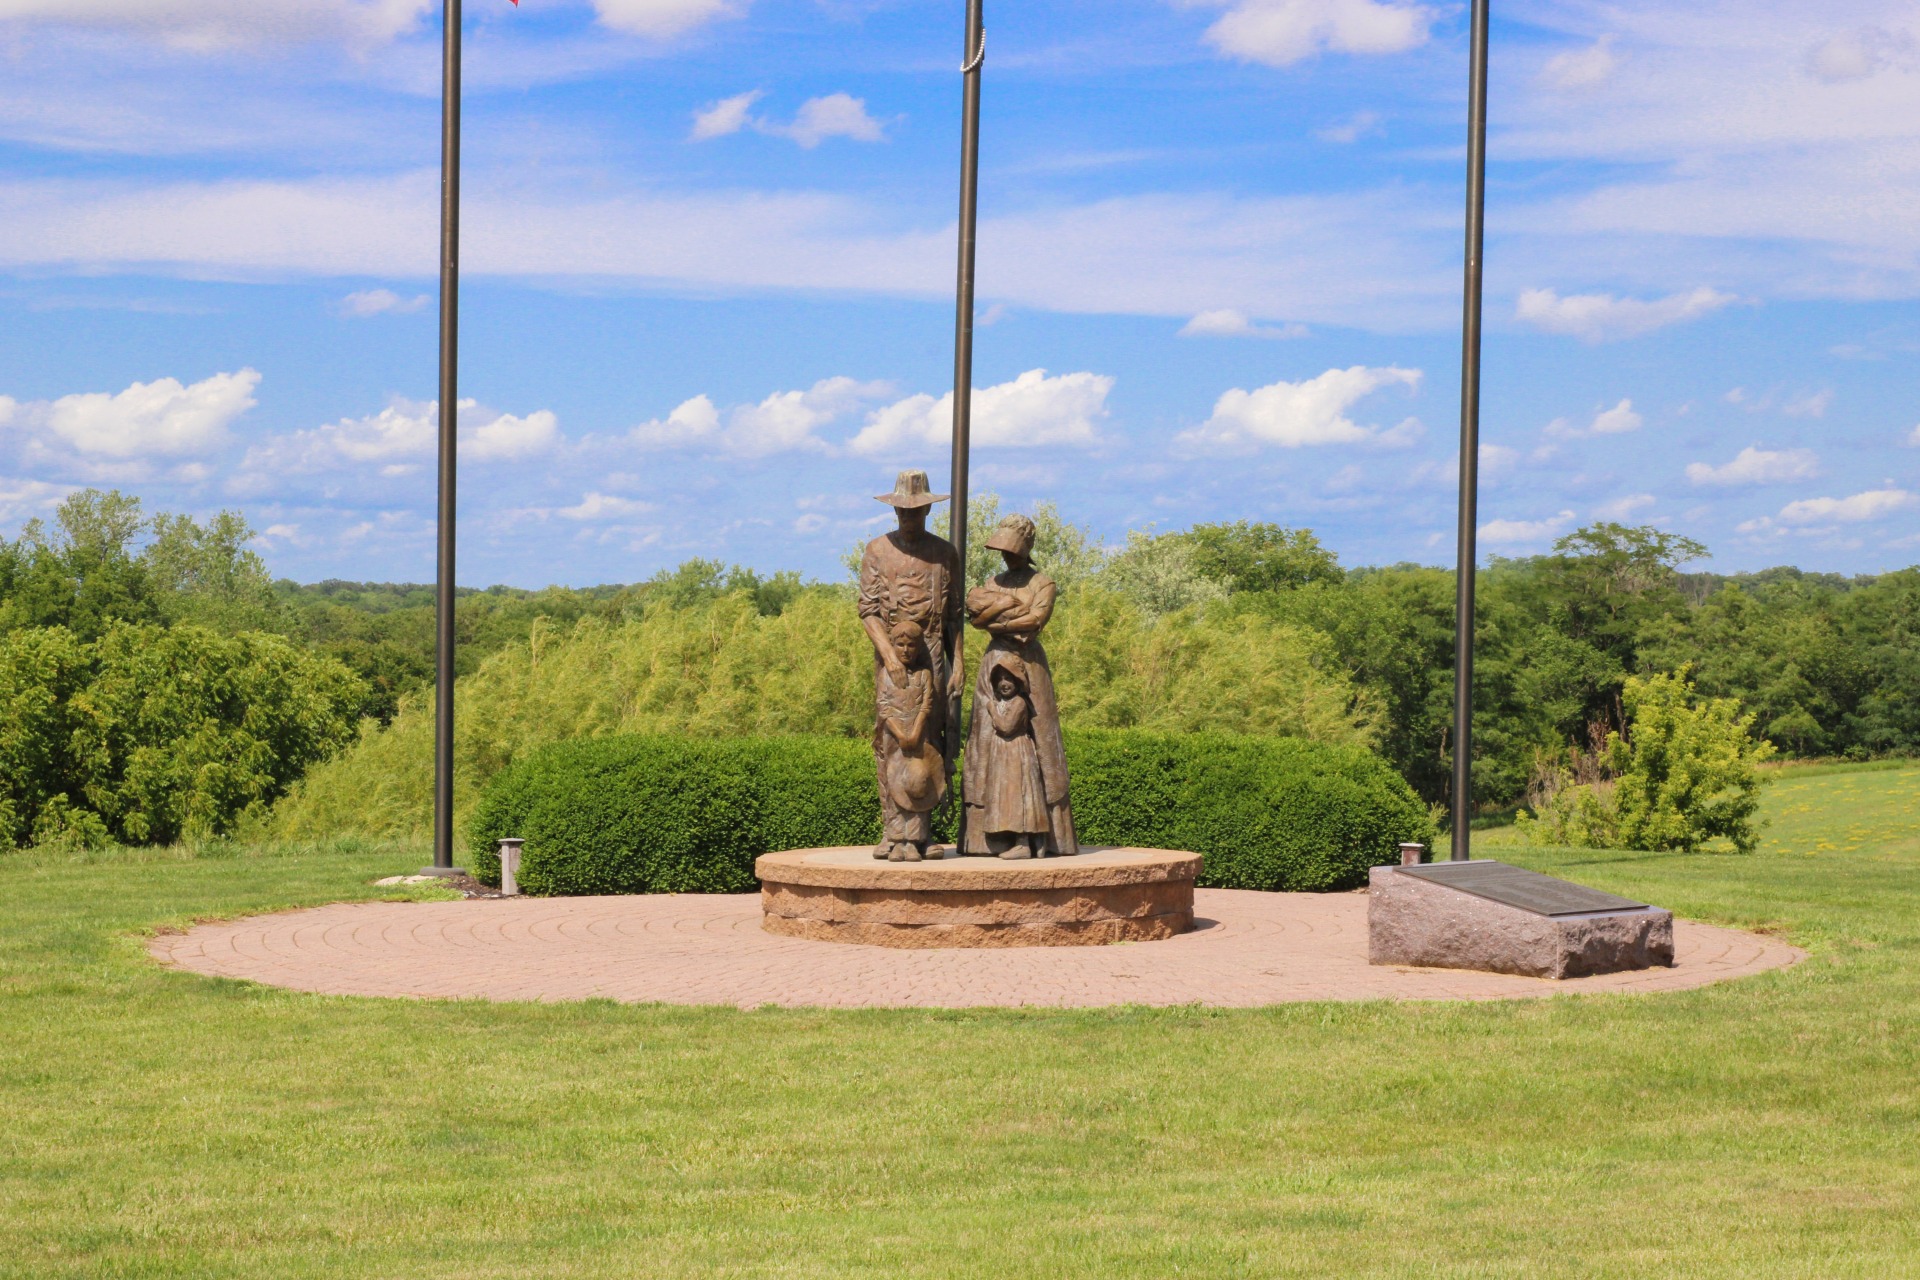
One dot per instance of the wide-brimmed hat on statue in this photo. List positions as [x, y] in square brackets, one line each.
[1014, 533]
[911, 490]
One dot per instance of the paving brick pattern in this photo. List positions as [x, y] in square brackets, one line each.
[1249, 949]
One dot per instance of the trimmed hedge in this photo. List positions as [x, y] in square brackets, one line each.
[660, 814]
[1275, 814]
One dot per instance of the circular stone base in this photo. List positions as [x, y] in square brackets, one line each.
[1093, 898]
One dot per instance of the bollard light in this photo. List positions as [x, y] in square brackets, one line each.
[509, 866]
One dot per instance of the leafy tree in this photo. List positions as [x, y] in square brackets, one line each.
[1261, 557]
[384, 632]
[1392, 629]
[104, 562]
[208, 574]
[699, 582]
[1161, 574]
[152, 733]
[185, 732]
[84, 573]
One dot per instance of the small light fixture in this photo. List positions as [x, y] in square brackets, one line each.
[509, 866]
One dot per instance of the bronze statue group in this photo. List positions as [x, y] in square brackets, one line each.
[915, 607]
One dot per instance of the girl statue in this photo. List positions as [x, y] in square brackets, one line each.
[1013, 608]
[1013, 812]
[907, 732]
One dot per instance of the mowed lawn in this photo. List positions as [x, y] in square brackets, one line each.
[161, 1124]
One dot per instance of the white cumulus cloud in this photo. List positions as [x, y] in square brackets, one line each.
[1280, 33]
[838, 115]
[662, 18]
[783, 422]
[1229, 323]
[20, 499]
[727, 116]
[1753, 465]
[1874, 504]
[400, 437]
[1617, 421]
[1510, 532]
[692, 423]
[164, 418]
[1601, 317]
[1295, 414]
[1913, 437]
[506, 437]
[1032, 411]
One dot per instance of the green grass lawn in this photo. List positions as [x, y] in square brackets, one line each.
[160, 1124]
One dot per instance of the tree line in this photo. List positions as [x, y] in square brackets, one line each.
[171, 634]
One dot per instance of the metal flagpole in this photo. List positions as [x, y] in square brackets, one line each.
[975, 54]
[1469, 440]
[449, 443]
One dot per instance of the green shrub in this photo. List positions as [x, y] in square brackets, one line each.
[1687, 770]
[669, 814]
[41, 669]
[1275, 814]
[150, 734]
[1685, 774]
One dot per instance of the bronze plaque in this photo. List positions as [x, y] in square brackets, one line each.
[1518, 887]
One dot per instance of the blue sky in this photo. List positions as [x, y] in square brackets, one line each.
[710, 255]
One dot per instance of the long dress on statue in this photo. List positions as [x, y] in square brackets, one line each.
[1033, 594]
[1016, 798]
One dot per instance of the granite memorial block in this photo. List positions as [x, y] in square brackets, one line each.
[1497, 918]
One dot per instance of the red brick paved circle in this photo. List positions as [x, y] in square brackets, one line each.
[1249, 949]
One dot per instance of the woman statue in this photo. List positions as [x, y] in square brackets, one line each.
[1016, 720]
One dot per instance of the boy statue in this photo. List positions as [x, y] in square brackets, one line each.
[911, 576]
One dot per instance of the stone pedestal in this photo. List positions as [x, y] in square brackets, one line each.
[1095, 897]
[1415, 917]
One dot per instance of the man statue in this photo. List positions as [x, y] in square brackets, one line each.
[911, 596]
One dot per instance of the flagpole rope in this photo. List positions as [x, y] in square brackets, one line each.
[979, 57]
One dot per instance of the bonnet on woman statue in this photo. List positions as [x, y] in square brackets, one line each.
[1014, 533]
